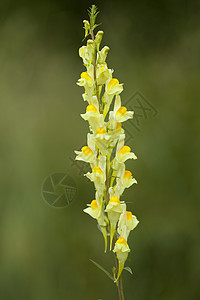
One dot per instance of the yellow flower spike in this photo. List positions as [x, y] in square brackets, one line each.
[105, 150]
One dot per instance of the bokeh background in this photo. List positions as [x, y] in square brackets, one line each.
[154, 49]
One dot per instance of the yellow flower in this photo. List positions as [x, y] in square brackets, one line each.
[102, 55]
[93, 116]
[98, 175]
[114, 129]
[113, 87]
[121, 249]
[114, 210]
[127, 222]
[87, 81]
[120, 112]
[127, 179]
[124, 179]
[123, 152]
[102, 74]
[87, 153]
[87, 53]
[102, 140]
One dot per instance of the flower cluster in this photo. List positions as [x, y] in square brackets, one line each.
[106, 151]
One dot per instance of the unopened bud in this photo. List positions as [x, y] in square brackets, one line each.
[98, 39]
[86, 27]
[90, 49]
[103, 55]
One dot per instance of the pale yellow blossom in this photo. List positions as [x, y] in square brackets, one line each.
[124, 179]
[127, 222]
[114, 210]
[121, 249]
[98, 175]
[88, 153]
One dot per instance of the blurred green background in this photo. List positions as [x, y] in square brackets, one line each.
[154, 49]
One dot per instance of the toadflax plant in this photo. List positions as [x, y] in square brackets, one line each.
[105, 151]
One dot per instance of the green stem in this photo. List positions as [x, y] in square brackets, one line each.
[119, 283]
[95, 76]
[120, 288]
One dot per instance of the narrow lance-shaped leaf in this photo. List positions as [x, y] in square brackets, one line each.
[102, 269]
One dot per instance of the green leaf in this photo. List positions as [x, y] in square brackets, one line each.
[102, 269]
[96, 25]
[93, 14]
[129, 270]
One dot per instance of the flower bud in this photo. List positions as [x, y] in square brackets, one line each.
[98, 39]
[86, 27]
[102, 55]
[90, 50]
